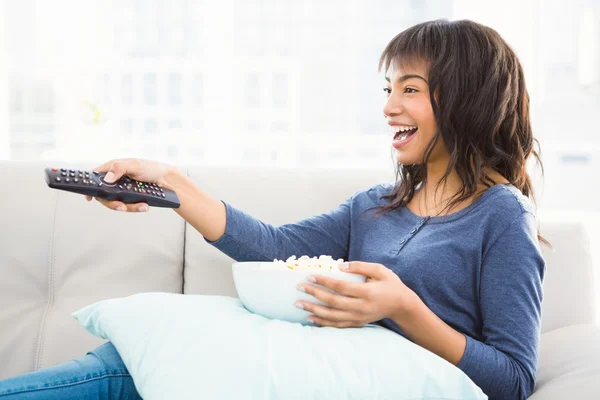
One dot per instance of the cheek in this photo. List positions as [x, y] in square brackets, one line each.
[427, 117]
[426, 120]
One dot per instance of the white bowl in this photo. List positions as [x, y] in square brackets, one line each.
[271, 291]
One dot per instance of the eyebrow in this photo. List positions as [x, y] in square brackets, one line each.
[406, 77]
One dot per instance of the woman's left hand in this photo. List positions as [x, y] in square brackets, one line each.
[383, 295]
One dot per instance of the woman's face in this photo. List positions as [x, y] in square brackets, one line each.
[407, 107]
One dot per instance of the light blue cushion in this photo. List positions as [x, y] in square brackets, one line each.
[210, 347]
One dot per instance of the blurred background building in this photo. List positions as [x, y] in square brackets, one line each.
[272, 82]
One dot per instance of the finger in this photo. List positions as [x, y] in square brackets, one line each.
[104, 167]
[120, 206]
[331, 299]
[336, 324]
[331, 314]
[352, 289]
[113, 205]
[370, 270]
[114, 169]
[88, 198]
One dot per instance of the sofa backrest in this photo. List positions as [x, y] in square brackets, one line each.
[59, 253]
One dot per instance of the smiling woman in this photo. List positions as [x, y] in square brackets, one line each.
[464, 90]
[453, 261]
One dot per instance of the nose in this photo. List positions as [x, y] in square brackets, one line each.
[392, 106]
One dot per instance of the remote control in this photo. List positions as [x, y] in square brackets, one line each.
[124, 189]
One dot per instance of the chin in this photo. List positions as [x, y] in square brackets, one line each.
[407, 159]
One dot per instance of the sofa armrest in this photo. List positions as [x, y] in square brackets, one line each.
[569, 364]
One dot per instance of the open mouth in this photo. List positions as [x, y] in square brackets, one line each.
[405, 132]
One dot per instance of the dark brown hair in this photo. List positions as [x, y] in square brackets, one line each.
[481, 107]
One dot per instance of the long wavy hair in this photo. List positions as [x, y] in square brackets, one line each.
[480, 103]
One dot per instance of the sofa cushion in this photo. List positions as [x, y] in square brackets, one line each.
[210, 347]
[569, 274]
[569, 364]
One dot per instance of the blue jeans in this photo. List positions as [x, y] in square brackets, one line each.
[100, 374]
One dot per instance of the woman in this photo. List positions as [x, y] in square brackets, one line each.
[452, 251]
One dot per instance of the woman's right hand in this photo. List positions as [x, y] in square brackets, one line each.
[141, 170]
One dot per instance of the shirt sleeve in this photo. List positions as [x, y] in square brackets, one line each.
[504, 364]
[249, 239]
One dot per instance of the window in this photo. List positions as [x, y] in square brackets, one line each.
[150, 126]
[197, 90]
[174, 88]
[127, 127]
[150, 94]
[175, 124]
[127, 89]
[252, 90]
[16, 99]
[280, 90]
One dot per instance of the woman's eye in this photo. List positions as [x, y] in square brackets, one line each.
[413, 90]
[387, 90]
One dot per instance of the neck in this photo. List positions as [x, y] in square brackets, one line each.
[431, 201]
[446, 189]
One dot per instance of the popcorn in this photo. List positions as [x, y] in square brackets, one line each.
[325, 263]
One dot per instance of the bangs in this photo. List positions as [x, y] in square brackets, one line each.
[416, 46]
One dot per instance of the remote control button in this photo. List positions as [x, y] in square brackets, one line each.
[96, 173]
[160, 190]
[127, 180]
[63, 170]
[63, 173]
[72, 174]
[163, 195]
[121, 187]
[109, 184]
[85, 181]
[75, 180]
[100, 184]
[54, 169]
[67, 179]
[129, 186]
[58, 179]
[71, 170]
[143, 191]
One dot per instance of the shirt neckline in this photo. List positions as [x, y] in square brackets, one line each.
[458, 214]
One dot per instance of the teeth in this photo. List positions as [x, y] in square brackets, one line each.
[405, 128]
[396, 130]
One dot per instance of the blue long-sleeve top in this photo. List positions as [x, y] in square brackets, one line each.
[479, 269]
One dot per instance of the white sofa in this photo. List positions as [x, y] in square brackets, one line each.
[59, 253]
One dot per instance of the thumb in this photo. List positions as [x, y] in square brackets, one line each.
[114, 170]
[370, 270]
[114, 173]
